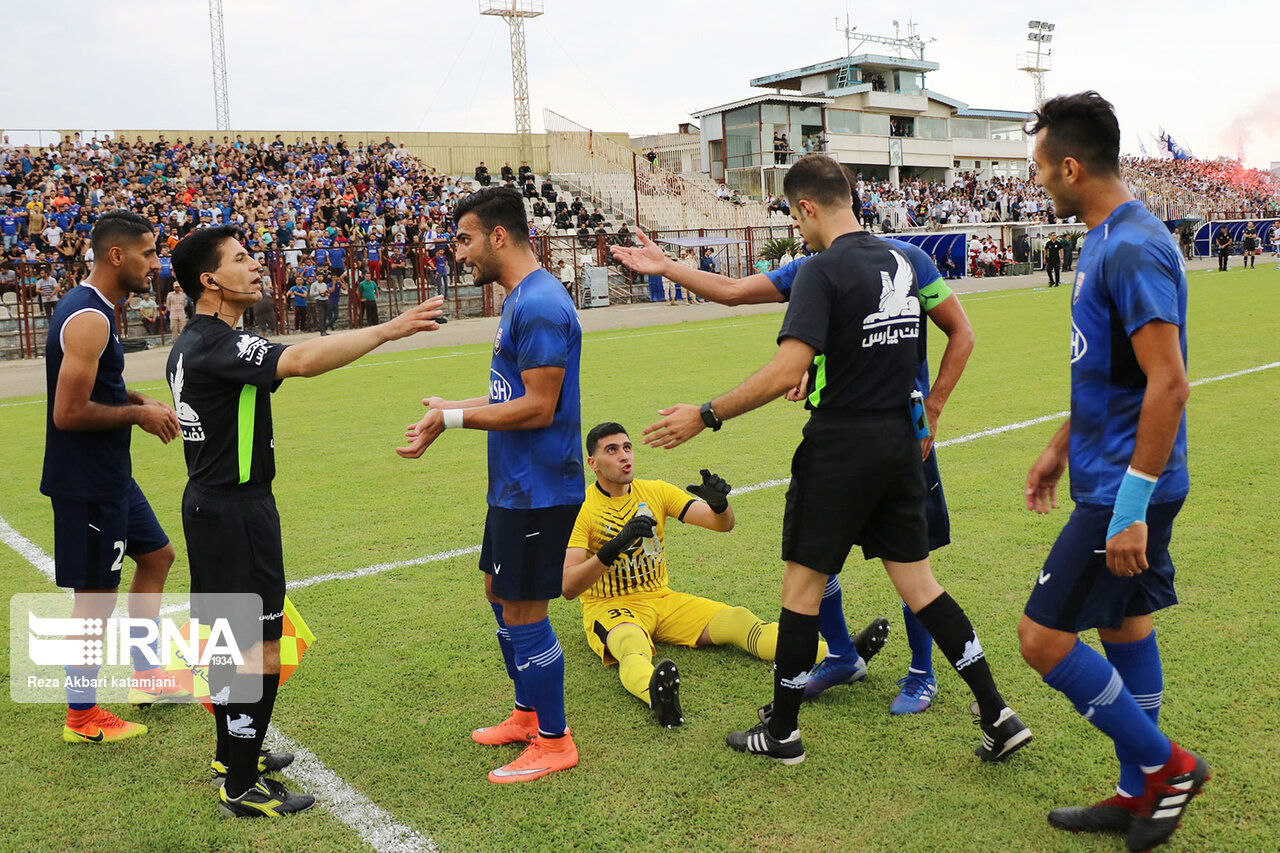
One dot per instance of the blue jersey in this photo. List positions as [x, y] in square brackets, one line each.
[933, 290]
[537, 468]
[1129, 273]
[91, 465]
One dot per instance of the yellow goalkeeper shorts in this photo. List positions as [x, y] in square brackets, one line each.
[665, 616]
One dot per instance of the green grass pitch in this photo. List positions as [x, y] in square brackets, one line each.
[406, 664]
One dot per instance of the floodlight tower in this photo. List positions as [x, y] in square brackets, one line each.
[514, 12]
[1041, 62]
[221, 105]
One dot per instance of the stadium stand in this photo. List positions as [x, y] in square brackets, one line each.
[345, 211]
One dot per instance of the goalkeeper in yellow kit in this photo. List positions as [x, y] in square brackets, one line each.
[626, 601]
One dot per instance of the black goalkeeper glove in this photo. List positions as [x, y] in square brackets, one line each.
[635, 529]
[714, 490]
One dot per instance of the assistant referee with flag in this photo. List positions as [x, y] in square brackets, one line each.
[221, 381]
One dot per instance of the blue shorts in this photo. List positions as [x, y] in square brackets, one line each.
[1075, 591]
[935, 504]
[523, 550]
[91, 538]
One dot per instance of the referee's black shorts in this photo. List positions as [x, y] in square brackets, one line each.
[234, 546]
[856, 479]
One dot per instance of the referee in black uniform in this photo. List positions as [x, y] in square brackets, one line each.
[853, 323]
[222, 381]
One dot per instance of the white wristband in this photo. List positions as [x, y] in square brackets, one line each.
[453, 418]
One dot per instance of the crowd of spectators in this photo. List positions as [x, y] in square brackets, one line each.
[1209, 189]
[334, 216]
[321, 206]
[918, 203]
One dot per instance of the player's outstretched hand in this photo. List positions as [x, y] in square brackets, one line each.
[159, 420]
[422, 433]
[713, 489]
[646, 259]
[679, 424]
[1042, 481]
[419, 318]
[632, 532]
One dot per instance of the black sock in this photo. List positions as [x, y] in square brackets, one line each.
[220, 677]
[246, 726]
[797, 648]
[951, 629]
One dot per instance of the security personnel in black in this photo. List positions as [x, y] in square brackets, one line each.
[222, 380]
[1053, 260]
[1068, 253]
[1223, 244]
[851, 340]
[1249, 243]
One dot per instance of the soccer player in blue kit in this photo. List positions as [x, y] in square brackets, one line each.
[100, 515]
[1126, 443]
[847, 658]
[536, 478]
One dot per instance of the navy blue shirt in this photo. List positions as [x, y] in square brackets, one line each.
[86, 465]
[1130, 273]
[537, 468]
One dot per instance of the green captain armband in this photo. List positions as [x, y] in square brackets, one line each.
[934, 294]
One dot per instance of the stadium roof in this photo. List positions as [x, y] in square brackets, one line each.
[963, 110]
[756, 99]
[791, 79]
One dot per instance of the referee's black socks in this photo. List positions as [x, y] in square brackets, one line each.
[246, 726]
[797, 647]
[946, 621]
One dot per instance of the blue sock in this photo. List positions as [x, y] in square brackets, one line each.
[920, 641]
[82, 694]
[831, 624]
[1100, 696]
[140, 662]
[540, 661]
[1139, 665]
[523, 701]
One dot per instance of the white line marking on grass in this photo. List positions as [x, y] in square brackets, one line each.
[374, 824]
[639, 333]
[1244, 372]
[27, 550]
[379, 568]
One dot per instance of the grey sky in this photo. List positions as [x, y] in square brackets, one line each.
[635, 66]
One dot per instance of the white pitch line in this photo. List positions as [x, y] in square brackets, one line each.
[375, 825]
[27, 550]
[379, 568]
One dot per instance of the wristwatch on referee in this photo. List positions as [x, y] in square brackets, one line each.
[709, 417]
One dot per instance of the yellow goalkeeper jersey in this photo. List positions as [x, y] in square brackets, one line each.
[600, 519]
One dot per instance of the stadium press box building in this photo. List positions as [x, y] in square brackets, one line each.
[870, 112]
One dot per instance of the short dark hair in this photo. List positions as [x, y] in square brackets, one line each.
[1082, 126]
[117, 227]
[852, 177]
[819, 179]
[495, 206]
[599, 431]
[200, 252]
